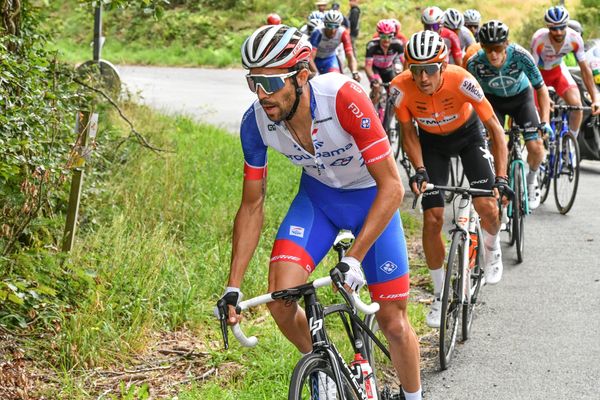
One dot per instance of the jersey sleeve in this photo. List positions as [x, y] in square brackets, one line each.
[473, 93]
[528, 66]
[315, 39]
[455, 44]
[578, 48]
[399, 100]
[347, 42]
[357, 116]
[536, 47]
[253, 146]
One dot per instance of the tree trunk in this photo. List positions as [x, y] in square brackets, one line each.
[10, 17]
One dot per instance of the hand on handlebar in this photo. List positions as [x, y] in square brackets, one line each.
[503, 189]
[418, 182]
[353, 277]
[596, 108]
[227, 305]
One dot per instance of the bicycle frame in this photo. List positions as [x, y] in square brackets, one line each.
[516, 157]
[555, 138]
[465, 221]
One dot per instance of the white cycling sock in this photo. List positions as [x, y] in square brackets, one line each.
[574, 132]
[491, 242]
[412, 396]
[532, 176]
[437, 277]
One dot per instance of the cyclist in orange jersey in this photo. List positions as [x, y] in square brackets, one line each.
[448, 106]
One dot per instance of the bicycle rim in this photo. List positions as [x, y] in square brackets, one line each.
[451, 301]
[517, 211]
[475, 285]
[314, 374]
[385, 375]
[566, 176]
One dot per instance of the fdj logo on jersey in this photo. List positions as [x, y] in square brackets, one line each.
[365, 123]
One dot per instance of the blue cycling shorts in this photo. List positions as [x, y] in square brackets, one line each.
[319, 212]
[328, 64]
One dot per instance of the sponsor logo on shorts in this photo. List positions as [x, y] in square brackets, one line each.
[388, 267]
[296, 231]
[480, 182]
[470, 88]
[365, 123]
[285, 257]
[393, 296]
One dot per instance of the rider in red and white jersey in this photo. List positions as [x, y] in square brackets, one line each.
[548, 46]
[350, 180]
[433, 20]
[325, 41]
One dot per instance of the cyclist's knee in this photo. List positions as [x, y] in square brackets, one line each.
[433, 220]
[535, 149]
[487, 208]
[281, 311]
[395, 324]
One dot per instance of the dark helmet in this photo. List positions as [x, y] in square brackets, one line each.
[493, 32]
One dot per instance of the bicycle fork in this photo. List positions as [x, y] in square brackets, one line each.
[466, 223]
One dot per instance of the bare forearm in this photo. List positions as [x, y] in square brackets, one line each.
[412, 146]
[246, 234]
[588, 80]
[544, 102]
[499, 149]
[386, 203]
[353, 63]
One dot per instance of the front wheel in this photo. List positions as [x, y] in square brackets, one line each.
[386, 379]
[518, 216]
[451, 300]
[566, 170]
[474, 282]
[313, 378]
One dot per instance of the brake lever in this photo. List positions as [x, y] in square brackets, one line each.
[223, 315]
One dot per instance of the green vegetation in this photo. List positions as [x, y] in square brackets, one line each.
[206, 32]
[156, 259]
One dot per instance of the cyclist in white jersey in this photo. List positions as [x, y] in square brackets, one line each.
[455, 21]
[350, 180]
[548, 47]
[325, 41]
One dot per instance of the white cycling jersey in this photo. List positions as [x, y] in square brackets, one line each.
[544, 54]
[346, 133]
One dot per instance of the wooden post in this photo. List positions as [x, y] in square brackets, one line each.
[86, 126]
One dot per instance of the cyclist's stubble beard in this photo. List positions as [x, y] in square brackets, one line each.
[428, 84]
[558, 37]
[279, 104]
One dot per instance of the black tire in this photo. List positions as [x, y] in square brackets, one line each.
[476, 275]
[385, 375]
[394, 136]
[301, 385]
[544, 178]
[566, 167]
[452, 180]
[518, 215]
[451, 300]
[460, 172]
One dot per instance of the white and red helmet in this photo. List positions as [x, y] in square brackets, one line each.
[275, 46]
[432, 15]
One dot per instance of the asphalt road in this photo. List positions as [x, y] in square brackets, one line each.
[536, 334]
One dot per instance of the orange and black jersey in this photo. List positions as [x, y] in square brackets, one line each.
[448, 108]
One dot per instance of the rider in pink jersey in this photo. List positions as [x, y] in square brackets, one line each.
[349, 180]
[549, 46]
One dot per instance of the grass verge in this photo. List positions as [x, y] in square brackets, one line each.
[156, 258]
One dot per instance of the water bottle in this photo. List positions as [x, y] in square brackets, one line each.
[364, 375]
[473, 249]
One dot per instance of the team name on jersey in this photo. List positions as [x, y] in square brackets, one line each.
[471, 89]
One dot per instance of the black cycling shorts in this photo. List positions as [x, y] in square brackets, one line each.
[521, 108]
[469, 144]
[387, 74]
